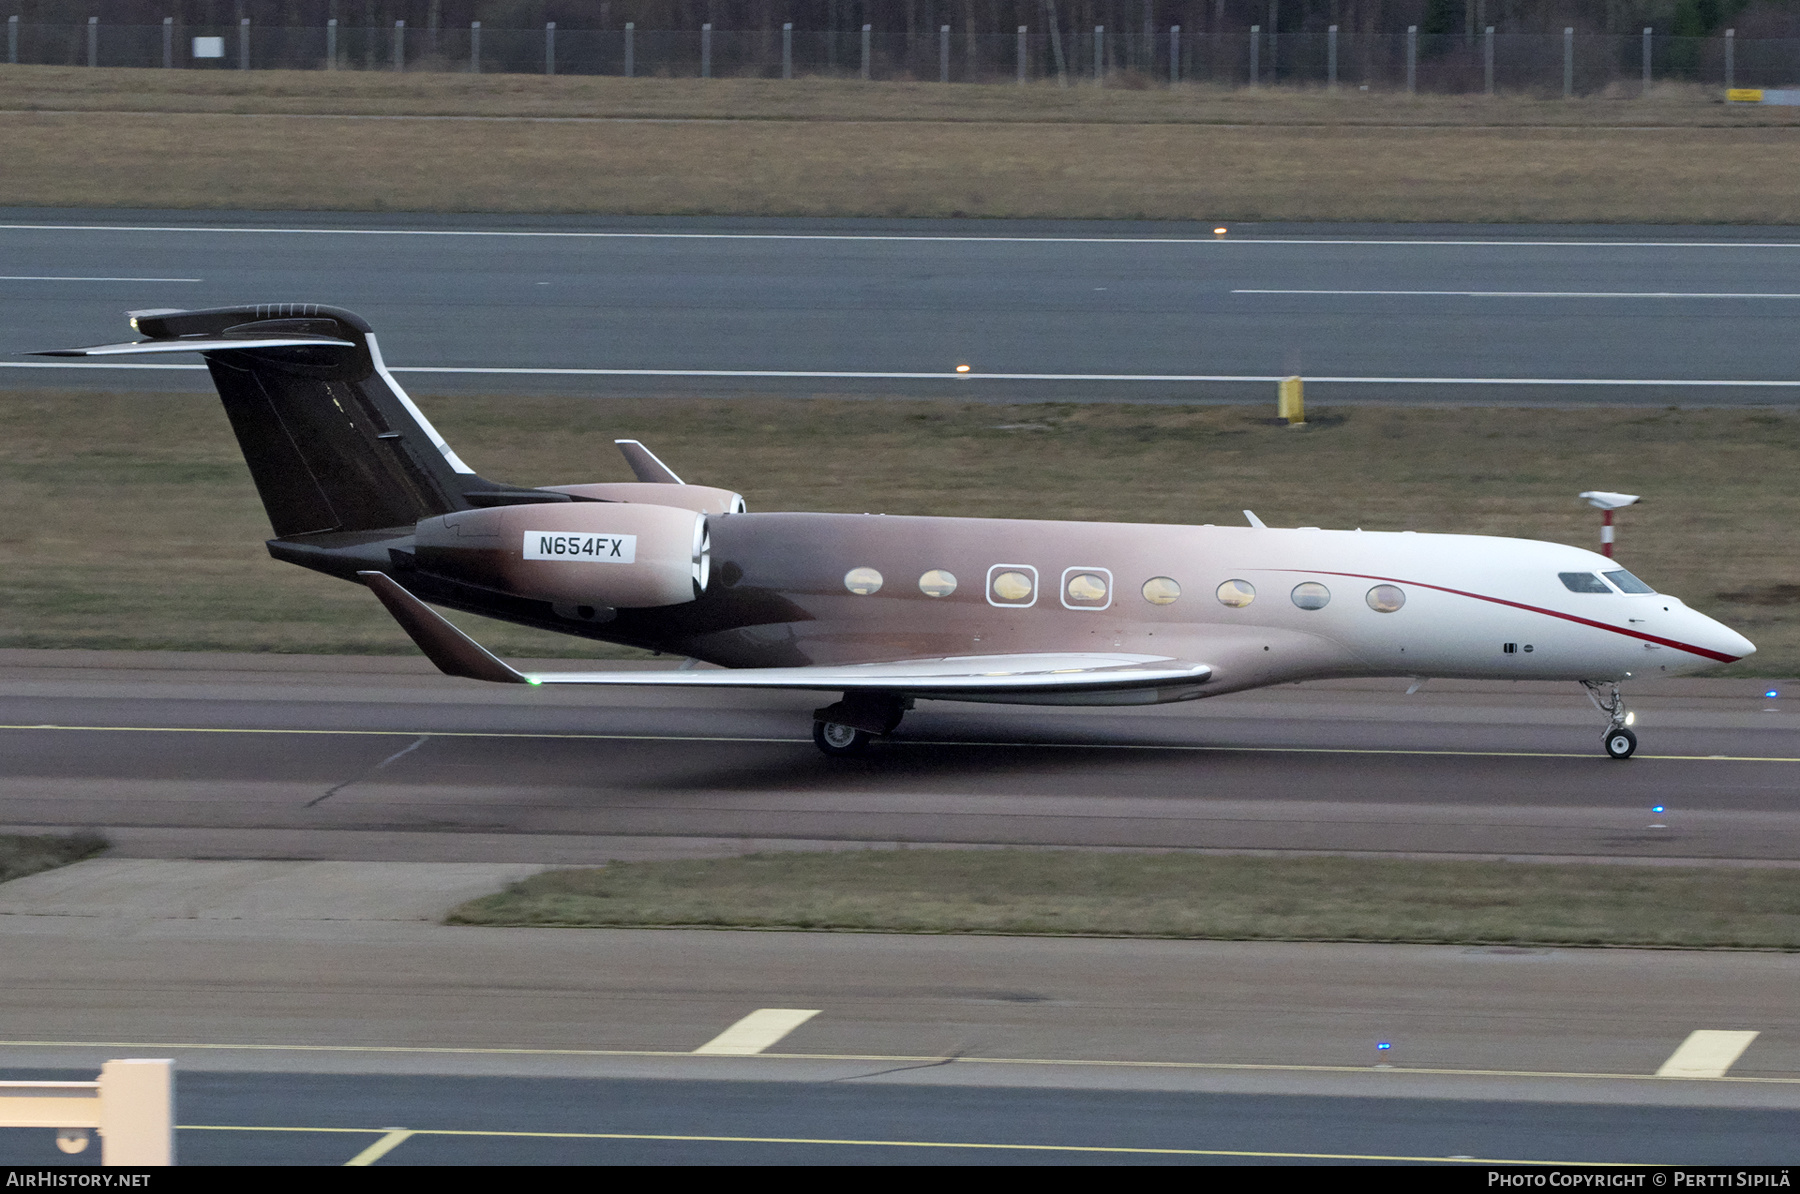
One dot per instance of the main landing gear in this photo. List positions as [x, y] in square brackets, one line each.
[1619, 741]
[845, 728]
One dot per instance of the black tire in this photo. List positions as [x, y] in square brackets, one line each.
[1620, 743]
[840, 741]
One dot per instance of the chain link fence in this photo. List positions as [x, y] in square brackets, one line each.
[1567, 63]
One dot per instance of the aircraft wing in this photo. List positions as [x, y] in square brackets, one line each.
[456, 654]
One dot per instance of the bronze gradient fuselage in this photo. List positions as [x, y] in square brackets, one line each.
[779, 597]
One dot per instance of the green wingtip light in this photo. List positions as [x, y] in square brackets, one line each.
[532, 680]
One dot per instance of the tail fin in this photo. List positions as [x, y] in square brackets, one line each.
[333, 442]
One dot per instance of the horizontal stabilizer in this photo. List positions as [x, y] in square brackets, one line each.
[1061, 673]
[222, 344]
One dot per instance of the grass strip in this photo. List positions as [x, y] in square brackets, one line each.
[917, 169]
[27, 854]
[133, 523]
[78, 137]
[1135, 100]
[1088, 893]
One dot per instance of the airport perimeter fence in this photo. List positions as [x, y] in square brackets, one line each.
[1568, 63]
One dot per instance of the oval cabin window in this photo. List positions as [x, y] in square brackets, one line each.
[862, 581]
[1160, 590]
[937, 583]
[1237, 593]
[1311, 595]
[1385, 599]
[1086, 588]
[1012, 587]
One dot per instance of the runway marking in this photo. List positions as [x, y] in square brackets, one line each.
[948, 375]
[934, 742]
[394, 1139]
[878, 237]
[902, 1059]
[854, 1143]
[1588, 294]
[1707, 1053]
[756, 1032]
[56, 278]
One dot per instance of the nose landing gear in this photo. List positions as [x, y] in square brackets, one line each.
[1619, 740]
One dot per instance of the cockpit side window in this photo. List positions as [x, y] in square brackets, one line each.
[1628, 583]
[1583, 582]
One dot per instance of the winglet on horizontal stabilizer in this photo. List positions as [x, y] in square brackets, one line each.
[645, 466]
[455, 653]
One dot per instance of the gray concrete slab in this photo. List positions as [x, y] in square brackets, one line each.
[397, 997]
[255, 890]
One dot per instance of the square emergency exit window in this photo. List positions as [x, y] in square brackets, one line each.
[209, 47]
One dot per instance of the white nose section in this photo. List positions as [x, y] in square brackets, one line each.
[1716, 636]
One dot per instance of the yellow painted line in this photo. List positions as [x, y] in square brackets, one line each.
[1283, 750]
[756, 1032]
[1707, 1053]
[394, 1139]
[854, 1143]
[879, 1059]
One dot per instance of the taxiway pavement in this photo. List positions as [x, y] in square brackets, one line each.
[193, 756]
[321, 998]
[1073, 310]
[304, 1039]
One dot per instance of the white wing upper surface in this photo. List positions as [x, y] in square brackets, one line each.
[1040, 673]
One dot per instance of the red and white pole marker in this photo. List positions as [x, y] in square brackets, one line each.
[1606, 503]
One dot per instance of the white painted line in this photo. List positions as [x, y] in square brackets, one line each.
[381, 1148]
[1707, 1053]
[888, 237]
[1584, 294]
[756, 1032]
[53, 278]
[897, 375]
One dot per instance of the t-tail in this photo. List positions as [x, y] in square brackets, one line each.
[334, 444]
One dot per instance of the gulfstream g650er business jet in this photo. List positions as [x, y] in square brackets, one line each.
[885, 610]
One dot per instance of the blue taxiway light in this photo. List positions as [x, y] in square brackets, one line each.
[1771, 694]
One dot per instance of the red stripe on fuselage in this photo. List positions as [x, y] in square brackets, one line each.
[1649, 638]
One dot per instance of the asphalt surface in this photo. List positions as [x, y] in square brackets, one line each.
[647, 1122]
[1065, 311]
[357, 1012]
[314, 757]
[1270, 1049]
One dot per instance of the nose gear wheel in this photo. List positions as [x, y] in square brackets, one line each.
[1619, 741]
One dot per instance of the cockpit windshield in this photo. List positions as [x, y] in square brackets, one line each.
[1582, 582]
[1628, 583]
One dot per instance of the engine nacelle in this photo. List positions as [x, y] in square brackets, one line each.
[586, 555]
